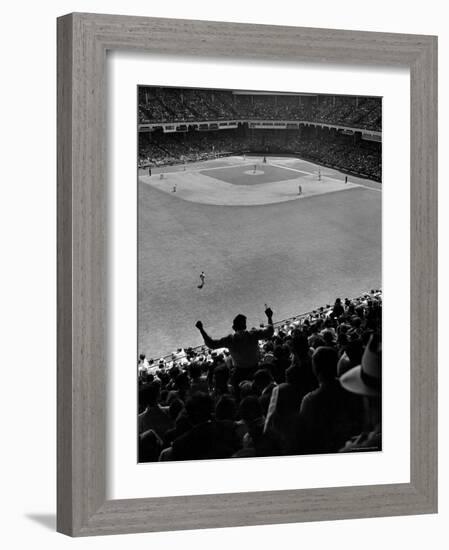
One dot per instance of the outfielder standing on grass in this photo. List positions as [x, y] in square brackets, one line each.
[202, 279]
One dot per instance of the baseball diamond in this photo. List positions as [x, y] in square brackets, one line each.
[257, 239]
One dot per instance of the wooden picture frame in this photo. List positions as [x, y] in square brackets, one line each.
[83, 40]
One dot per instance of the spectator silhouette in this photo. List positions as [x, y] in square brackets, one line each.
[220, 382]
[150, 446]
[351, 356]
[154, 417]
[329, 414]
[243, 346]
[283, 418]
[366, 380]
[207, 438]
[256, 442]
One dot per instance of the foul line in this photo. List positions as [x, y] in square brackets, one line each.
[292, 169]
[312, 174]
[205, 168]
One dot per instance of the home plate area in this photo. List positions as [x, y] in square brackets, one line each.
[243, 183]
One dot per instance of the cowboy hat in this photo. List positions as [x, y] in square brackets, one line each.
[365, 379]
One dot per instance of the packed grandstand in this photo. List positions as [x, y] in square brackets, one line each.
[183, 125]
[310, 384]
[314, 388]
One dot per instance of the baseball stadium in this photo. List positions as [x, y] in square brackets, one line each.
[259, 274]
[272, 208]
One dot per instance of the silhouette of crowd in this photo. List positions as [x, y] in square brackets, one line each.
[188, 105]
[328, 148]
[308, 385]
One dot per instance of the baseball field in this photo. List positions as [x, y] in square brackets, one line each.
[284, 232]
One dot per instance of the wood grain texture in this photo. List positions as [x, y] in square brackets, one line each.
[424, 276]
[64, 276]
[83, 40]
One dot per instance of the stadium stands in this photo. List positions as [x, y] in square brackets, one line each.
[330, 148]
[185, 124]
[184, 104]
[304, 395]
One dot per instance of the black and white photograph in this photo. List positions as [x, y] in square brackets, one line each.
[259, 273]
[229, 258]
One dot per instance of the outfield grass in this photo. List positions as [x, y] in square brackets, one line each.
[293, 255]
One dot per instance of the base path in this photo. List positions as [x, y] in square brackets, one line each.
[239, 185]
[294, 254]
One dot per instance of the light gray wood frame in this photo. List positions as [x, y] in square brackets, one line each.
[83, 40]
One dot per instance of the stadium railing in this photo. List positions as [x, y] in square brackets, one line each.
[202, 349]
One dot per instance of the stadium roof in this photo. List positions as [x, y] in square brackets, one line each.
[260, 92]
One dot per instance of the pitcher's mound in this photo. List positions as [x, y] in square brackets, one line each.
[254, 172]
